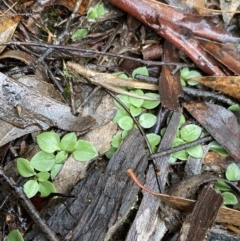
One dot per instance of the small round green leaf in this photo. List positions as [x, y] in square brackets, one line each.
[61, 157]
[215, 146]
[222, 186]
[122, 76]
[190, 132]
[124, 99]
[43, 176]
[182, 81]
[79, 33]
[49, 142]
[124, 134]
[15, 235]
[147, 120]
[84, 151]
[135, 111]
[117, 139]
[68, 142]
[153, 139]
[24, 167]
[181, 155]
[126, 123]
[193, 74]
[172, 160]
[151, 104]
[43, 161]
[110, 152]
[55, 170]
[195, 151]
[96, 12]
[137, 102]
[184, 72]
[233, 172]
[178, 142]
[182, 120]
[119, 114]
[229, 198]
[235, 107]
[31, 188]
[141, 71]
[100, 10]
[45, 188]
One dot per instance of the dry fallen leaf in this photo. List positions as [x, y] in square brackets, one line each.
[228, 6]
[8, 25]
[220, 123]
[227, 54]
[70, 4]
[229, 85]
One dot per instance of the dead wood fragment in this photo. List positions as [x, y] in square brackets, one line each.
[147, 224]
[103, 200]
[218, 233]
[170, 88]
[24, 107]
[197, 224]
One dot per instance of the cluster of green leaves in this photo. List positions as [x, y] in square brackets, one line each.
[92, 14]
[138, 108]
[185, 73]
[79, 33]
[96, 12]
[186, 133]
[233, 175]
[46, 164]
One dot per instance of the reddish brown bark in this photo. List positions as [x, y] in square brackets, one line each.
[176, 28]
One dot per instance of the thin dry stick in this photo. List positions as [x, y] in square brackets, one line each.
[134, 119]
[91, 53]
[182, 147]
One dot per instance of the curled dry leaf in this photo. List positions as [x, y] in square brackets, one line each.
[8, 25]
[225, 215]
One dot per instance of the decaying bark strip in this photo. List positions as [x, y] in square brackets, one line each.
[147, 225]
[201, 219]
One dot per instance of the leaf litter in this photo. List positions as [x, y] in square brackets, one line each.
[24, 110]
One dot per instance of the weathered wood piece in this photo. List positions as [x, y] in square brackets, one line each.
[103, 200]
[201, 219]
[219, 234]
[147, 225]
[170, 88]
